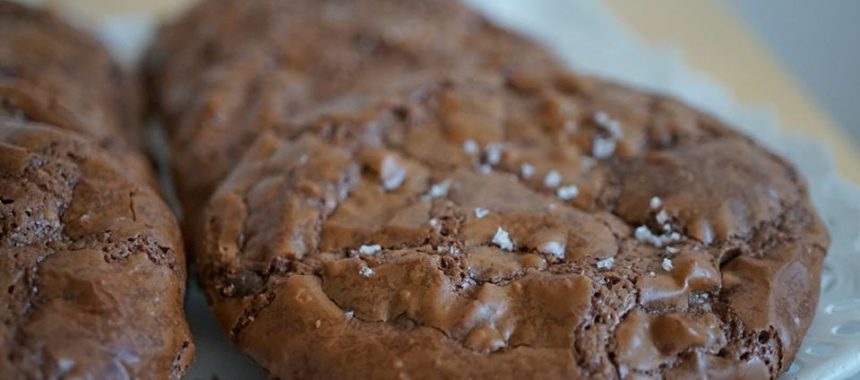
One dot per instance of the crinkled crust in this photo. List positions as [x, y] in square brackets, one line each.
[352, 137]
[91, 264]
[445, 296]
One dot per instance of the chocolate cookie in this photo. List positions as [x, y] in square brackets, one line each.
[91, 264]
[407, 191]
[92, 269]
[528, 225]
[54, 74]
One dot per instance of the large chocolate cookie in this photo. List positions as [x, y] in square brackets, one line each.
[535, 225]
[91, 265]
[407, 191]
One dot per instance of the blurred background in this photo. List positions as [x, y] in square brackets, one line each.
[800, 58]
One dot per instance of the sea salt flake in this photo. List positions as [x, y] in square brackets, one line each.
[481, 212]
[369, 249]
[644, 234]
[493, 153]
[672, 250]
[470, 146]
[604, 121]
[567, 192]
[552, 179]
[391, 174]
[366, 272]
[438, 190]
[349, 314]
[587, 163]
[433, 222]
[655, 203]
[602, 148]
[662, 217]
[449, 249]
[606, 263]
[667, 264]
[553, 248]
[527, 170]
[503, 239]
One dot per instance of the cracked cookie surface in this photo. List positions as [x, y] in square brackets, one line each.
[379, 232]
[388, 203]
[92, 267]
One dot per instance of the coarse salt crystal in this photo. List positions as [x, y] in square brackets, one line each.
[553, 248]
[433, 222]
[567, 192]
[438, 190]
[503, 239]
[366, 271]
[470, 146]
[369, 249]
[527, 170]
[391, 173]
[481, 212]
[494, 153]
[672, 250]
[606, 263]
[655, 203]
[552, 179]
[667, 264]
[603, 120]
[349, 314]
[643, 234]
[662, 217]
[602, 147]
[449, 249]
